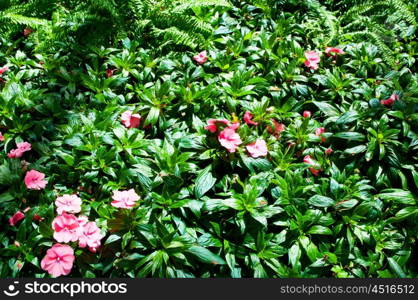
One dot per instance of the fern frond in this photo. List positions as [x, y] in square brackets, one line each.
[182, 5]
[404, 11]
[328, 20]
[179, 37]
[387, 53]
[23, 20]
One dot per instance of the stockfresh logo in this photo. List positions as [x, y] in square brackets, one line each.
[12, 290]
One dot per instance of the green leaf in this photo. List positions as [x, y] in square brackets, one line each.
[403, 214]
[395, 267]
[205, 255]
[294, 254]
[69, 159]
[112, 238]
[327, 109]
[153, 115]
[406, 212]
[351, 136]
[46, 230]
[5, 175]
[318, 229]
[204, 182]
[5, 197]
[398, 195]
[355, 150]
[347, 117]
[321, 201]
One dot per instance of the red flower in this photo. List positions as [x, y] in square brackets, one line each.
[109, 72]
[37, 217]
[130, 120]
[328, 151]
[330, 51]
[27, 31]
[390, 100]
[319, 131]
[4, 69]
[307, 114]
[314, 169]
[214, 123]
[278, 129]
[248, 119]
[16, 218]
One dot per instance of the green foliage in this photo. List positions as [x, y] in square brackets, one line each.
[94, 22]
[335, 195]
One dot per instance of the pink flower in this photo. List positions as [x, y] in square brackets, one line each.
[16, 218]
[82, 220]
[214, 123]
[229, 139]
[328, 151]
[308, 160]
[278, 129]
[15, 153]
[257, 149]
[319, 131]
[58, 260]
[201, 58]
[124, 199]
[248, 119]
[21, 148]
[4, 69]
[35, 180]
[66, 228]
[307, 114]
[330, 51]
[234, 126]
[89, 235]
[24, 146]
[1, 137]
[130, 120]
[390, 100]
[68, 203]
[312, 60]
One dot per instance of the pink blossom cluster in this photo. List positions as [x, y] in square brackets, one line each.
[231, 140]
[69, 228]
[312, 58]
[125, 199]
[21, 148]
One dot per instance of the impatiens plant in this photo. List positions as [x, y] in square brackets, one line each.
[184, 139]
